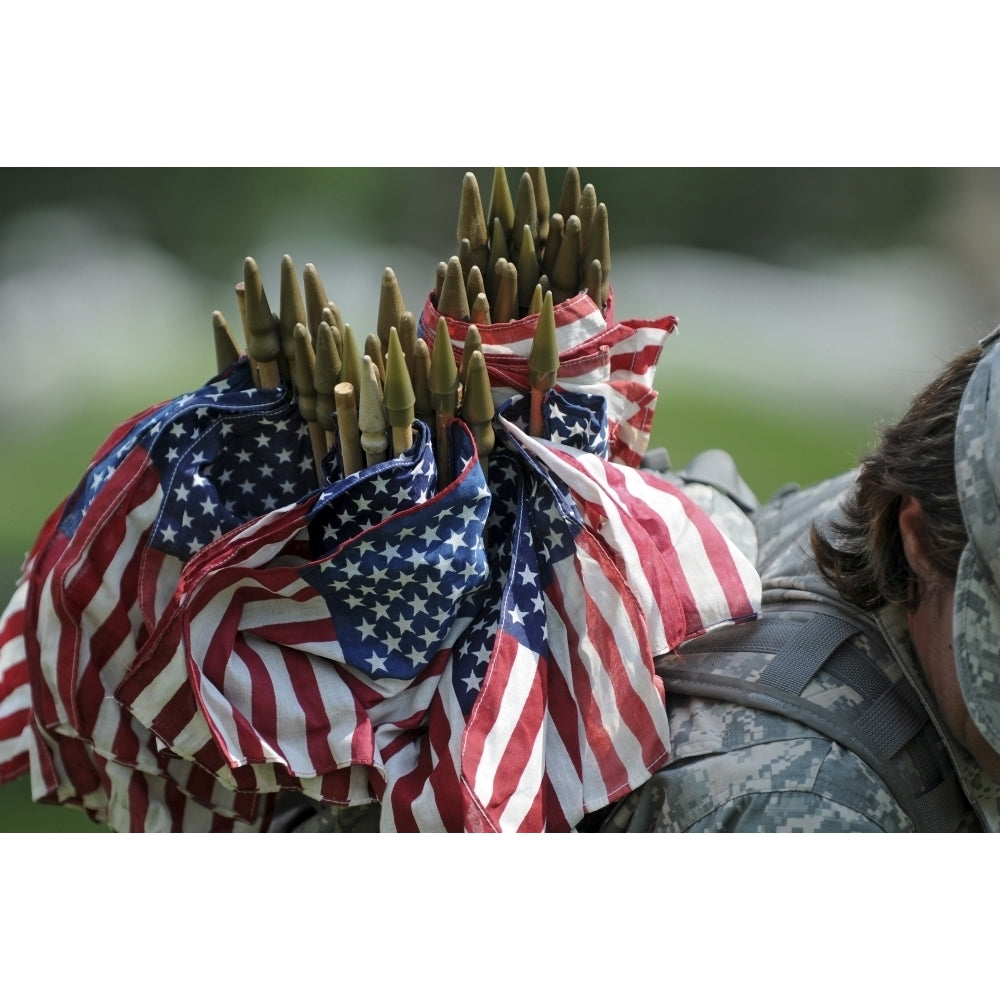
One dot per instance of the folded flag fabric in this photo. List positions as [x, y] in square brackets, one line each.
[300, 653]
[474, 658]
[202, 626]
[105, 567]
[597, 356]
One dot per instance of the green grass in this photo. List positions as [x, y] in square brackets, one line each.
[771, 450]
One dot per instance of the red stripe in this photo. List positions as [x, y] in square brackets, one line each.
[310, 700]
[566, 313]
[661, 565]
[609, 764]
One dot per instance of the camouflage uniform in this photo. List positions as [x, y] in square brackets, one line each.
[747, 770]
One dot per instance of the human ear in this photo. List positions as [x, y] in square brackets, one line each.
[911, 530]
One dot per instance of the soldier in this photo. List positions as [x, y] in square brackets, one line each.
[867, 696]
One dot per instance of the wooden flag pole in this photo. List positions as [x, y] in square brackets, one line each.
[371, 414]
[347, 427]
[390, 308]
[399, 396]
[291, 313]
[444, 397]
[241, 302]
[325, 378]
[226, 351]
[477, 406]
[305, 380]
[543, 364]
[263, 343]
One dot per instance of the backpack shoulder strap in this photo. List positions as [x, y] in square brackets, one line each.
[768, 663]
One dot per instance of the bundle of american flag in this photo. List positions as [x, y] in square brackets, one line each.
[461, 631]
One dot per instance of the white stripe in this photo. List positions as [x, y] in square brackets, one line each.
[593, 583]
[515, 694]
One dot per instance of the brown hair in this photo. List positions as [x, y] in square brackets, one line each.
[863, 554]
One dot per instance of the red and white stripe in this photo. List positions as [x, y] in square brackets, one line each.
[15, 688]
[687, 576]
[614, 360]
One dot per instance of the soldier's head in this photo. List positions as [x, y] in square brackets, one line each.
[921, 530]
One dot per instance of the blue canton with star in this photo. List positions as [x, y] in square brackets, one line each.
[225, 454]
[532, 525]
[576, 419]
[404, 563]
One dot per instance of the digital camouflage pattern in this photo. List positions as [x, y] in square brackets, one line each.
[740, 769]
[977, 591]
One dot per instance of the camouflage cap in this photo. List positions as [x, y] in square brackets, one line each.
[977, 590]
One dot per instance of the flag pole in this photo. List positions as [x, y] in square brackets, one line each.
[399, 396]
[226, 350]
[263, 343]
[444, 397]
[305, 382]
[371, 413]
[543, 364]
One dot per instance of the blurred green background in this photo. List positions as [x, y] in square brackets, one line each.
[811, 303]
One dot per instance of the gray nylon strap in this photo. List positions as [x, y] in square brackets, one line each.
[752, 694]
[940, 804]
[893, 719]
[797, 662]
[892, 716]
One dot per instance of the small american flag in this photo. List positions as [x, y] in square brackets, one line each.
[106, 565]
[304, 651]
[598, 356]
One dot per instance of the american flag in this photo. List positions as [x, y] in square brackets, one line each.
[292, 651]
[200, 626]
[598, 356]
[473, 659]
[105, 567]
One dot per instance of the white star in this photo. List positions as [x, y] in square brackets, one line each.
[377, 663]
[472, 683]
[367, 629]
